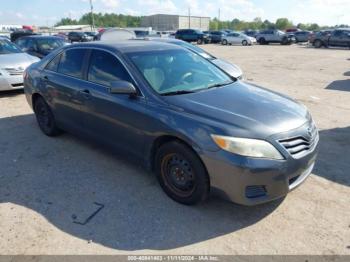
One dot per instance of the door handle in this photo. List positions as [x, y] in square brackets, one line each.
[85, 93]
[45, 78]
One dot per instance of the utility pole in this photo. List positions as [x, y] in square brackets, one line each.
[189, 18]
[92, 16]
[219, 19]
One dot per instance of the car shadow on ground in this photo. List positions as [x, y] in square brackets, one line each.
[66, 180]
[11, 93]
[333, 158]
[347, 73]
[340, 85]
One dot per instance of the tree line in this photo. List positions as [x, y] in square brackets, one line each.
[120, 20]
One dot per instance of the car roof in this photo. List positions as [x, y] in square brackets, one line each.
[129, 46]
[40, 36]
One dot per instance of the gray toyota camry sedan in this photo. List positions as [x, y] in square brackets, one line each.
[195, 126]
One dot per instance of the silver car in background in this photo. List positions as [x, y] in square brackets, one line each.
[231, 69]
[238, 38]
[13, 62]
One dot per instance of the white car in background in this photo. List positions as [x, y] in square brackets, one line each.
[238, 38]
[13, 62]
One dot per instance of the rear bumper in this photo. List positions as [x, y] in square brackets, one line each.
[250, 181]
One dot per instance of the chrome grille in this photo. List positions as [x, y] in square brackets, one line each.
[14, 71]
[301, 145]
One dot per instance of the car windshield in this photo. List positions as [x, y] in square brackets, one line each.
[6, 47]
[49, 43]
[195, 48]
[178, 71]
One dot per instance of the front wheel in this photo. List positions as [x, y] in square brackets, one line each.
[200, 41]
[224, 42]
[181, 174]
[245, 42]
[45, 118]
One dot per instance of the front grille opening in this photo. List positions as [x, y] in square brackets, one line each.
[298, 146]
[292, 180]
[255, 191]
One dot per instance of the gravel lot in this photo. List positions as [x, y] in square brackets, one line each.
[48, 184]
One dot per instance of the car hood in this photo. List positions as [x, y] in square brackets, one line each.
[246, 108]
[231, 69]
[17, 60]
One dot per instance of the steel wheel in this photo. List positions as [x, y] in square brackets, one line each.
[178, 175]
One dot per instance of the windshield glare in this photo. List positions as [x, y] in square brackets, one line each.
[177, 70]
[49, 44]
[196, 49]
[6, 47]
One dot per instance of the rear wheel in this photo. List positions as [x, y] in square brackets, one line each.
[262, 41]
[245, 42]
[181, 173]
[318, 44]
[45, 118]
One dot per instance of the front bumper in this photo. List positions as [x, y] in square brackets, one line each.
[8, 82]
[252, 181]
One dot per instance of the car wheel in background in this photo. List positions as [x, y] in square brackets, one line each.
[262, 41]
[45, 118]
[200, 41]
[245, 42]
[181, 173]
[318, 44]
[224, 42]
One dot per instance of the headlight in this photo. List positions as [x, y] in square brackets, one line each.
[247, 147]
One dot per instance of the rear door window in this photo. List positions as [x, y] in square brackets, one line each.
[72, 63]
[53, 65]
[105, 69]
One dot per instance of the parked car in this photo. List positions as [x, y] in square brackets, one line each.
[292, 30]
[13, 62]
[187, 120]
[265, 37]
[302, 36]
[40, 46]
[231, 69]
[63, 36]
[215, 36]
[92, 35]
[318, 34]
[251, 33]
[191, 35]
[18, 34]
[339, 37]
[238, 38]
[79, 37]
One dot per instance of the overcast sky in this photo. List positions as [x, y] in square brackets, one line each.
[48, 12]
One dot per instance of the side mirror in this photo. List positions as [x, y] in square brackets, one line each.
[123, 88]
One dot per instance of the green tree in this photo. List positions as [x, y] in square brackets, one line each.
[283, 23]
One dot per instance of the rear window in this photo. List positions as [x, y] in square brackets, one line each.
[72, 62]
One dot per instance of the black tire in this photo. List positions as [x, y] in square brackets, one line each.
[284, 41]
[262, 41]
[199, 41]
[318, 43]
[224, 42]
[45, 118]
[181, 174]
[244, 42]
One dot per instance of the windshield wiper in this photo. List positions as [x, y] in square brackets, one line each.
[179, 92]
[219, 84]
